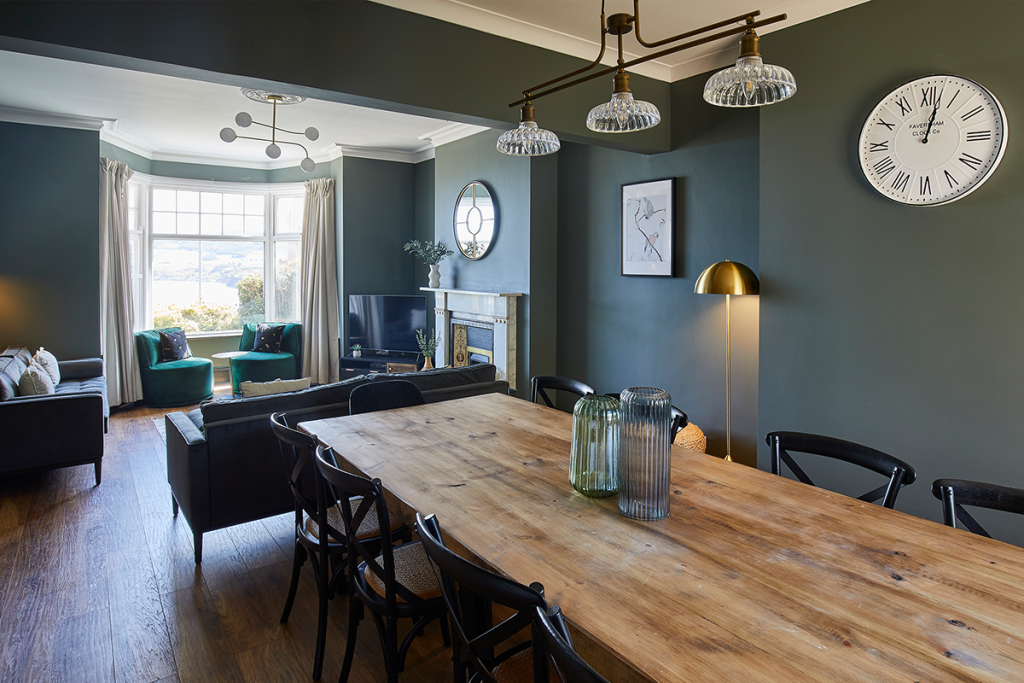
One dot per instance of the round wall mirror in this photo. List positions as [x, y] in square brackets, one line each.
[476, 220]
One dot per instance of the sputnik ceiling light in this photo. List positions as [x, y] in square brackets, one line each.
[244, 120]
[748, 84]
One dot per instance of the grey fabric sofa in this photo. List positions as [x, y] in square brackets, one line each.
[62, 429]
[224, 465]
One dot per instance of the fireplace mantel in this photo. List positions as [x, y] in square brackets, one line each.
[497, 309]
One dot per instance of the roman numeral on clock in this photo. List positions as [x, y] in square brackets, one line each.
[900, 183]
[885, 167]
[926, 185]
[904, 106]
[879, 147]
[950, 103]
[885, 123]
[972, 113]
[979, 135]
[928, 96]
[970, 161]
[950, 179]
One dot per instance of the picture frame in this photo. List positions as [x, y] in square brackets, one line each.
[648, 228]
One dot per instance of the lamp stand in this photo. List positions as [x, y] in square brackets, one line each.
[728, 379]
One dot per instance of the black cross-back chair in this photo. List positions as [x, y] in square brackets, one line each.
[470, 609]
[679, 418]
[900, 474]
[384, 395]
[541, 384]
[572, 668]
[311, 517]
[955, 493]
[392, 582]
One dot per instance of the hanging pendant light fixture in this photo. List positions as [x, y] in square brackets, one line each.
[273, 150]
[623, 113]
[528, 140]
[751, 82]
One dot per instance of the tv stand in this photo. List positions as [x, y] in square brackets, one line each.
[379, 360]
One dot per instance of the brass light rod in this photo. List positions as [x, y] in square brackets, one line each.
[688, 34]
[531, 95]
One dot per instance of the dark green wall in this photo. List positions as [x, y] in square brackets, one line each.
[49, 227]
[353, 52]
[615, 331]
[424, 220]
[897, 327]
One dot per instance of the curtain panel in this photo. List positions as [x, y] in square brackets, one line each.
[117, 312]
[320, 354]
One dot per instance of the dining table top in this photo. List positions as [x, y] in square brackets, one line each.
[752, 577]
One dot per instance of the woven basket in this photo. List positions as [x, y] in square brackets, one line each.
[693, 438]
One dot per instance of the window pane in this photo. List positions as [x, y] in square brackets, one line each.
[188, 201]
[289, 215]
[211, 202]
[188, 223]
[254, 205]
[163, 200]
[233, 203]
[207, 286]
[134, 254]
[232, 225]
[163, 223]
[286, 280]
[133, 194]
[254, 226]
[211, 224]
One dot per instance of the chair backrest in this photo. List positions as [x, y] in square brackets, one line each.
[541, 384]
[398, 393]
[147, 345]
[900, 474]
[297, 451]
[955, 493]
[551, 626]
[484, 587]
[347, 488]
[679, 418]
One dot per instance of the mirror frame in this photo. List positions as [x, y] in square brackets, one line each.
[455, 216]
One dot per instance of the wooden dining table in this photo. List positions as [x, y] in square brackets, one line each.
[752, 577]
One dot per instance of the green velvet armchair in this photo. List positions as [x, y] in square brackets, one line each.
[171, 383]
[255, 366]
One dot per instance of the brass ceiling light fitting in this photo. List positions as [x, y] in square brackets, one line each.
[623, 113]
[751, 82]
[244, 120]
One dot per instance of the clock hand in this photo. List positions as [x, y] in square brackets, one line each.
[931, 119]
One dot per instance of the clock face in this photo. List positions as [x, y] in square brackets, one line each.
[933, 140]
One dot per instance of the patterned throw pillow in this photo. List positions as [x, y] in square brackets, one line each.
[174, 346]
[49, 363]
[35, 381]
[268, 338]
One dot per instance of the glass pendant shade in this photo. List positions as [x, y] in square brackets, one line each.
[750, 83]
[528, 140]
[623, 114]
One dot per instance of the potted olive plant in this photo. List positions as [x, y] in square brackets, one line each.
[428, 346]
[431, 253]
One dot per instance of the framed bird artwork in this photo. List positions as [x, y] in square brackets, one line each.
[648, 221]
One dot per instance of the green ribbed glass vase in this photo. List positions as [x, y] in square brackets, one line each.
[594, 456]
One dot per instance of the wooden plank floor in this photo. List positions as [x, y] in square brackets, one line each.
[99, 584]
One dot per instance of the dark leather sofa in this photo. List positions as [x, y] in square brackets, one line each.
[62, 429]
[224, 464]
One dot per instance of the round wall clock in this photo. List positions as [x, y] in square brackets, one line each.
[933, 140]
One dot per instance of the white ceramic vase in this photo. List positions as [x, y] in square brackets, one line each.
[435, 276]
[357, 353]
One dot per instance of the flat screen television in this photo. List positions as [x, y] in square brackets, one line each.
[386, 322]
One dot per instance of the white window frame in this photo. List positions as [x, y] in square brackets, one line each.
[271, 192]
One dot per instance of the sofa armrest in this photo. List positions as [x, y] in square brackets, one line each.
[83, 368]
[188, 470]
[53, 429]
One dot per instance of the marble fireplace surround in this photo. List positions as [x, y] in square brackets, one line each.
[497, 310]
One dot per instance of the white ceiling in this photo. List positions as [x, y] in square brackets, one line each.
[177, 119]
[573, 26]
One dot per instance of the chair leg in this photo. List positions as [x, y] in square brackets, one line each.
[197, 541]
[174, 505]
[323, 569]
[299, 558]
[355, 613]
[391, 660]
[98, 469]
[446, 634]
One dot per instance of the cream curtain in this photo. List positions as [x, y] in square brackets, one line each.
[319, 284]
[117, 314]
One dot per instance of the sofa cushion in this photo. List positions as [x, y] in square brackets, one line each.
[324, 397]
[268, 338]
[12, 367]
[277, 386]
[444, 378]
[48, 362]
[174, 346]
[35, 381]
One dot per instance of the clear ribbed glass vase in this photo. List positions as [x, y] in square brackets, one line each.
[594, 456]
[645, 453]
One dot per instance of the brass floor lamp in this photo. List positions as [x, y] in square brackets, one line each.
[729, 278]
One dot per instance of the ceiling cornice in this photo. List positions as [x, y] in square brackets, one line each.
[55, 120]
